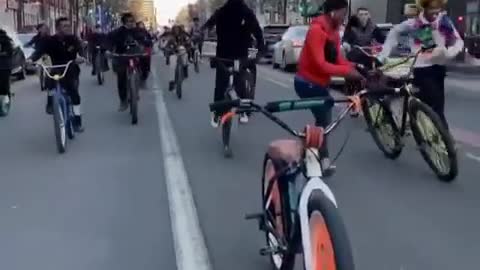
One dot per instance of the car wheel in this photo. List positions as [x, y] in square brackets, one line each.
[22, 74]
[274, 63]
[284, 62]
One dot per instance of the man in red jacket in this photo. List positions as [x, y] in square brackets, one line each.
[320, 60]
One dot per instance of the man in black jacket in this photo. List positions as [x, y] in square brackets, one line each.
[42, 32]
[125, 40]
[235, 22]
[6, 54]
[62, 48]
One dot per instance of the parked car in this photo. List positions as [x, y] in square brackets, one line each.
[24, 39]
[287, 51]
[272, 34]
[19, 60]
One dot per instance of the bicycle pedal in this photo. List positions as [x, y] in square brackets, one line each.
[267, 251]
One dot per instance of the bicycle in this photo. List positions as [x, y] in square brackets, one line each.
[238, 72]
[182, 61]
[196, 57]
[62, 107]
[99, 65]
[426, 126]
[133, 82]
[299, 211]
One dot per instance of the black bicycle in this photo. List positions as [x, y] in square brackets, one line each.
[133, 82]
[434, 141]
[182, 61]
[239, 72]
[99, 64]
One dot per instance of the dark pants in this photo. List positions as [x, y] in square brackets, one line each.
[104, 63]
[323, 116]
[222, 80]
[122, 83]
[70, 83]
[5, 82]
[144, 63]
[431, 83]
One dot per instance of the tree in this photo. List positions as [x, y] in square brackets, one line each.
[183, 17]
[215, 4]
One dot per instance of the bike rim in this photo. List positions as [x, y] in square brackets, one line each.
[323, 254]
[435, 147]
[384, 128]
[277, 259]
[62, 127]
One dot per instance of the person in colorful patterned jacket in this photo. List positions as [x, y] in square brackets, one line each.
[432, 27]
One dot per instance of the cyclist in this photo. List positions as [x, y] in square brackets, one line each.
[235, 22]
[125, 39]
[97, 38]
[176, 38]
[145, 62]
[431, 27]
[42, 31]
[62, 48]
[6, 56]
[321, 59]
[197, 36]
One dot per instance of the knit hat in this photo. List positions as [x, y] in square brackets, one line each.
[331, 5]
[431, 3]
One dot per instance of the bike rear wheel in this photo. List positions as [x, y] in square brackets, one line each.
[99, 69]
[330, 245]
[196, 61]
[59, 125]
[133, 93]
[428, 130]
[382, 126]
[179, 80]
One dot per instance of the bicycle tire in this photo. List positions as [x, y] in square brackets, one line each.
[98, 69]
[328, 232]
[133, 89]
[58, 121]
[416, 106]
[269, 170]
[226, 134]
[196, 61]
[179, 80]
[373, 128]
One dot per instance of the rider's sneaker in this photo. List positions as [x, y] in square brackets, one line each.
[5, 99]
[215, 122]
[77, 124]
[49, 107]
[244, 118]
[171, 86]
[123, 106]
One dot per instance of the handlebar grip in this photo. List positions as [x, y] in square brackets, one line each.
[224, 105]
[386, 91]
[429, 47]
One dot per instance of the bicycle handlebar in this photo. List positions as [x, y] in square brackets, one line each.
[56, 77]
[125, 55]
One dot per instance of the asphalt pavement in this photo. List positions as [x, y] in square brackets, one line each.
[141, 197]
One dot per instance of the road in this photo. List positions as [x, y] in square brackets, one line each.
[161, 196]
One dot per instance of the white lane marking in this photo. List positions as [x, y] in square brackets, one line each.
[189, 244]
[472, 156]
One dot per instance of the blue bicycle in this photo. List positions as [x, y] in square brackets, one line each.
[62, 107]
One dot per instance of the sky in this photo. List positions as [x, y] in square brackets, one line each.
[168, 9]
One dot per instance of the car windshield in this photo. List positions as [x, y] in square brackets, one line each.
[275, 30]
[24, 38]
[297, 32]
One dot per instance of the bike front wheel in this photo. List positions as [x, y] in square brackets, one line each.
[179, 80]
[99, 70]
[196, 61]
[434, 141]
[133, 89]
[59, 125]
[330, 245]
[381, 125]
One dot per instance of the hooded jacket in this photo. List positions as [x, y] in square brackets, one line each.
[6, 51]
[235, 24]
[321, 57]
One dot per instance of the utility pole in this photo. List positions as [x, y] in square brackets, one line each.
[285, 9]
[21, 7]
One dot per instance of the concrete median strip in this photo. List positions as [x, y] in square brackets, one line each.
[189, 244]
